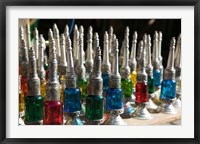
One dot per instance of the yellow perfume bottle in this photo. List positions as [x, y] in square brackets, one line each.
[62, 88]
[21, 99]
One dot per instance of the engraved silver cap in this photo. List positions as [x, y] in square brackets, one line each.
[75, 44]
[155, 60]
[169, 73]
[57, 40]
[53, 86]
[89, 60]
[178, 57]
[139, 53]
[33, 80]
[149, 67]
[25, 59]
[62, 67]
[36, 41]
[95, 80]
[41, 71]
[28, 35]
[110, 39]
[95, 43]
[132, 60]
[66, 31]
[160, 46]
[21, 34]
[70, 77]
[115, 78]
[51, 39]
[105, 66]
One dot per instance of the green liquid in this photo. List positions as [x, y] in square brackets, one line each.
[82, 84]
[150, 84]
[127, 88]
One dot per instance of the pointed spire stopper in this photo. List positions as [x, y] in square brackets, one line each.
[21, 33]
[70, 77]
[36, 41]
[33, 81]
[41, 71]
[53, 86]
[95, 43]
[159, 46]
[28, 34]
[57, 40]
[75, 43]
[51, 39]
[63, 63]
[105, 67]
[96, 81]
[110, 39]
[66, 31]
[149, 67]
[155, 61]
[178, 57]
[170, 71]
[25, 59]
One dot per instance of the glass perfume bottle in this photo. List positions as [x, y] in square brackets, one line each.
[168, 86]
[114, 102]
[94, 100]
[156, 63]
[53, 108]
[21, 99]
[33, 101]
[72, 99]
[41, 70]
[142, 95]
[105, 66]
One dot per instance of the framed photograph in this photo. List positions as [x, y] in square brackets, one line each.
[174, 23]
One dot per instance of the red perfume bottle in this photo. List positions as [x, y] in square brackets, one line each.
[142, 92]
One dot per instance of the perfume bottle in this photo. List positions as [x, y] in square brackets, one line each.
[142, 96]
[21, 99]
[53, 108]
[159, 55]
[33, 101]
[177, 62]
[114, 102]
[105, 66]
[168, 86]
[156, 63]
[75, 45]
[89, 60]
[80, 69]
[72, 99]
[41, 71]
[57, 40]
[36, 42]
[94, 100]
[133, 62]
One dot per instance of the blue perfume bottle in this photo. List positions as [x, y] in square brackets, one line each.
[168, 86]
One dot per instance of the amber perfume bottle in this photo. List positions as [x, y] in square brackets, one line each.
[53, 108]
[33, 101]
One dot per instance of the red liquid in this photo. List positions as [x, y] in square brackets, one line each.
[53, 113]
[24, 85]
[141, 92]
[47, 75]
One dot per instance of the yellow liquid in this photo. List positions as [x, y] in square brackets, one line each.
[21, 101]
[133, 77]
[178, 86]
[43, 89]
[62, 88]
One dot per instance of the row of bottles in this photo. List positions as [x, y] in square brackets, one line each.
[64, 85]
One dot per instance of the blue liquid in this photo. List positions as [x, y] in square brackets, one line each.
[168, 89]
[72, 100]
[157, 77]
[105, 82]
[114, 99]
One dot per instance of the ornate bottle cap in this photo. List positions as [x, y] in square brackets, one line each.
[21, 34]
[139, 53]
[132, 61]
[115, 78]
[53, 86]
[51, 39]
[35, 41]
[178, 57]
[110, 39]
[125, 41]
[170, 71]
[142, 75]
[149, 67]
[66, 31]
[75, 43]
[33, 81]
[125, 70]
[25, 59]
[57, 40]
[95, 43]
[41, 71]
[70, 77]
[63, 63]
[80, 68]
[95, 80]
[89, 61]
[159, 46]
[28, 35]
[155, 60]
[105, 67]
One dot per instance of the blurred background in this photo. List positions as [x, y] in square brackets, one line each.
[169, 27]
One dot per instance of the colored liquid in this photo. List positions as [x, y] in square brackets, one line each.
[53, 113]
[178, 86]
[157, 77]
[21, 101]
[94, 107]
[24, 85]
[127, 88]
[72, 100]
[133, 77]
[150, 84]
[62, 88]
[168, 90]
[114, 99]
[105, 82]
[43, 89]
[142, 92]
[47, 75]
[82, 84]
[33, 109]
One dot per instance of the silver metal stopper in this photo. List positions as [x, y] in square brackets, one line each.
[89, 61]
[105, 66]
[95, 43]
[36, 41]
[28, 35]
[41, 71]
[110, 39]
[149, 67]
[51, 39]
[95, 80]
[155, 59]
[132, 60]
[57, 40]
[33, 81]
[25, 59]
[178, 57]
[170, 71]
[53, 86]
[115, 78]
[21, 34]
[75, 43]
[159, 46]
[63, 63]
[66, 31]
[70, 77]
[80, 68]
[139, 53]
